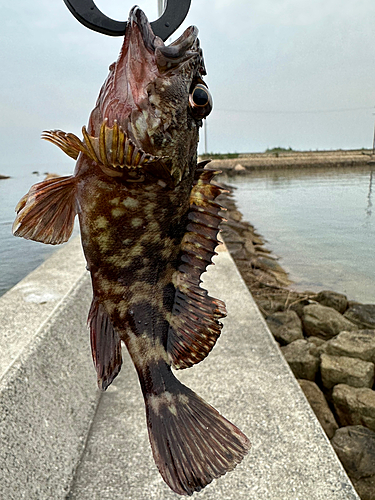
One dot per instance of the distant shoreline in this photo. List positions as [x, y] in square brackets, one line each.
[250, 162]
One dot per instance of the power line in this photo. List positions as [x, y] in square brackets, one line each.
[286, 112]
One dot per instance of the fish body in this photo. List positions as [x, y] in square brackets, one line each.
[149, 225]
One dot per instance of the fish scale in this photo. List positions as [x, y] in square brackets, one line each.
[149, 225]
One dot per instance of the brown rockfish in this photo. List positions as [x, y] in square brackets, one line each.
[149, 224]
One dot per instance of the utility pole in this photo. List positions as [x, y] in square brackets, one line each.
[373, 142]
[205, 135]
[160, 7]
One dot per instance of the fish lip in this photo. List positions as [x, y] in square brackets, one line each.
[138, 17]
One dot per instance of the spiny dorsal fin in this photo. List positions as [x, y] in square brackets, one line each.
[194, 325]
[69, 143]
[105, 345]
[46, 213]
[113, 148]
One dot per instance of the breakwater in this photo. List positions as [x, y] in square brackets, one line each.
[328, 342]
[292, 159]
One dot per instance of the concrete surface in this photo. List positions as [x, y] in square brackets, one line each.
[48, 392]
[245, 378]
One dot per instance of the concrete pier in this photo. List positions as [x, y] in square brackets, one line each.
[60, 440]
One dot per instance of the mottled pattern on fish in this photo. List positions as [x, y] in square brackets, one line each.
[149, 225]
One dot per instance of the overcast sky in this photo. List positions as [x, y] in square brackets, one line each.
[290, 73]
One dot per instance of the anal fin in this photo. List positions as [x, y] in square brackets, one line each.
[105, 345]
[46, 213]
[194, 325]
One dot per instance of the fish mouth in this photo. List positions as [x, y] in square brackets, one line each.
[143, 58]
[138, 18]
[129, 101]
[167, 56]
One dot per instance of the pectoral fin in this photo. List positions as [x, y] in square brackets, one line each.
[46, 213]
[105, 345]
[194, 326]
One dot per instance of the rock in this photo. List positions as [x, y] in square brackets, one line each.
[236, 215]
[237, 250]
[320, 406]
[302, 363]
[354, 406]
[239, 226]
[363, 315]
[324, 322]
[230, 235]
[343, 370]
[257, 239]
[365, 487]
[335, 300]
[269, 305]
[355, 447]
[298, 306]
[358, 344]
[51, 176]
[239, 168]
[267, 263]
[249, 246]
[285, 326]
[318, 346]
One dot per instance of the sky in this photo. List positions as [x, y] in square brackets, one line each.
[283, 73]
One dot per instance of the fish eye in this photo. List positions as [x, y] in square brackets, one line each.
[200, 96]
[200, 101]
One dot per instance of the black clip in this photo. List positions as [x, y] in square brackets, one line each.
[90, 16]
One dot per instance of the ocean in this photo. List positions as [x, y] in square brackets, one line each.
[319, 222]
[18, 257]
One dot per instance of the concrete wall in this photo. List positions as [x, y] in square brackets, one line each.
[48, 392]
[49, 402]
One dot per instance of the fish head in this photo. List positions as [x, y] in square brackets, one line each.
[155, 95]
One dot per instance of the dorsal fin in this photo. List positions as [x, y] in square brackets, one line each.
[112, 147]
[194, 326]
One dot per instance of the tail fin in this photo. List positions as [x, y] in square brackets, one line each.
[191, 442]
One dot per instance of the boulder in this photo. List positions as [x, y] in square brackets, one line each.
[324, 322]
[357, 344]
[298, 306]
[335, 300]
[269, 263]
[237, 250]
[363, 315]
[239, 168]
[343, 370]
[285, 326]
[365, 487]
[236, 216]
[302, 362]
[354, 406]
[230, 235]
[234, 223]
[249, 245]
[355, 447]
[269, 306]
[320, 406]
[317, 345]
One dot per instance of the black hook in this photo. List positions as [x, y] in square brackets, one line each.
[90, 16]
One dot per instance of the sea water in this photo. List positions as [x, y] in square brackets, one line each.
[319, 222]
[18, 257]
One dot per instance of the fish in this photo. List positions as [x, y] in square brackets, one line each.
[149, 223]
